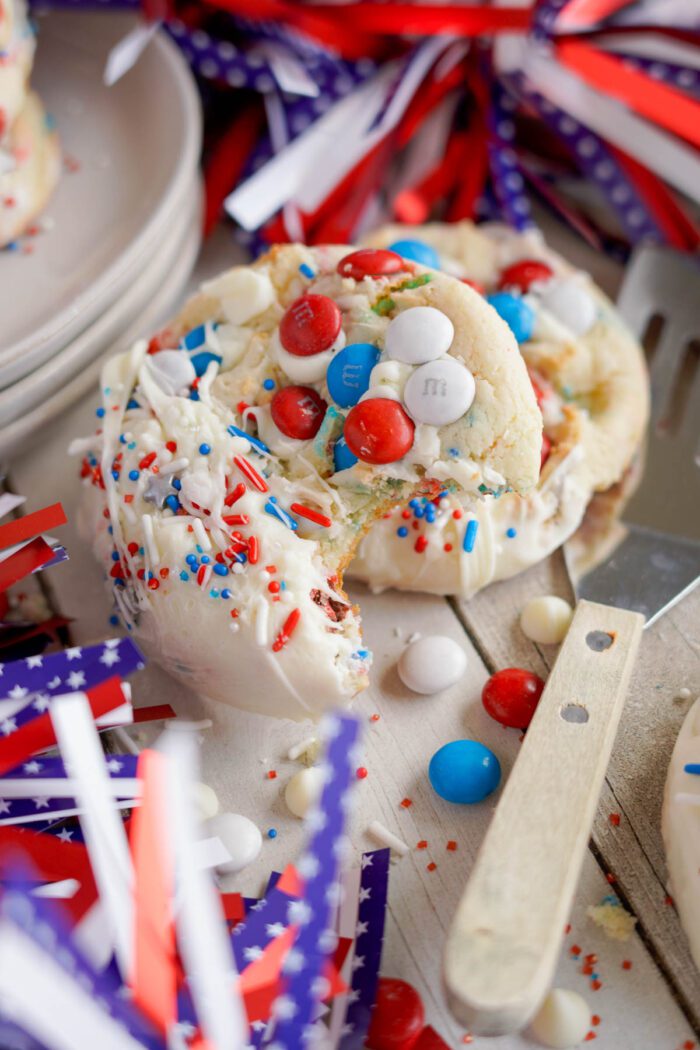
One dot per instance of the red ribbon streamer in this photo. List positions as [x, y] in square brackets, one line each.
[24, 561]
[32, 525]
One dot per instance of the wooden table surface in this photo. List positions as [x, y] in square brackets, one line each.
[652, 1004]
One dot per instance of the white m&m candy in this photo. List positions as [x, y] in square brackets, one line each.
[571, 303]
[240, 836]
[304, 790]
[563, 1020]
[439, 392]
[432, 664]
[172, 370]
[244, 293]
[418, 335]
[546, 619]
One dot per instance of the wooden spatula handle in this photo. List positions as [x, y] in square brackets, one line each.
[505, 938]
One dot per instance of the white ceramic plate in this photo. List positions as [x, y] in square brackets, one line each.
[47, 380]
[170, 285]
[137, 144]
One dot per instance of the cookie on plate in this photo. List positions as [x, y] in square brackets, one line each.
[243, 452]
[30, 163]
[17, 45]
[590, 379]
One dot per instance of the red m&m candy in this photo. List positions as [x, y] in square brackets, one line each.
[378, 431]
[298, 411]
[397, 1018]
[370, 262]
[511, 696]
[524, 273]
[310, 325]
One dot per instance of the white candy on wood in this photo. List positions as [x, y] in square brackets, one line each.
[303, 790]
[431, 664]
[418, 335]
[439, 392]
[563, 1020]
[240, 836]
[546, 619]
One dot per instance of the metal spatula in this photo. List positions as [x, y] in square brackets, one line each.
[506, 936]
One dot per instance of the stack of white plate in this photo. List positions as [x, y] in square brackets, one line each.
[123, 227]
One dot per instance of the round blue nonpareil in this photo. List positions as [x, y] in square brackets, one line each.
[518, 315]
[417, 251]
[349, 371]
[343, 458]
[464, 771]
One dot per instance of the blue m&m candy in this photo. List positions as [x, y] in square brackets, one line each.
[518, 315]
[348, 373]
[417, 251]
[464, 771]
[343, 458]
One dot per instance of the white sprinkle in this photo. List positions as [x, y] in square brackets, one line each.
[262, 617]
[147, 525]
[175, 465]
[413, 637]
[684, 693]
[201, 534]
[298, 750]
[385, 837]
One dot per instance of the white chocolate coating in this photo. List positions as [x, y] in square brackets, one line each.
[164, 460]
[681, 828]
[563, 1020]
[546, 619]
[31, 172]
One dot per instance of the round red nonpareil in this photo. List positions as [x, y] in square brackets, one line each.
[398, 1016]
[370, 262]
[379, 431]
[310, 325]
[511, 696]
[298, 411]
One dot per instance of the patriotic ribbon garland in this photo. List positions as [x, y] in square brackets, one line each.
[335, 96]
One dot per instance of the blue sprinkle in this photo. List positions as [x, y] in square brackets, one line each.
[220, 569]
[131, 446]
[283, 585]
[133, 475]
[272, 832]
[255, 442]
[191, 559]
[176, 484]
[594, 976]
[122, 439]
[226, 593]
[141, 551]
[277, 512]
[307, 272]
[198, 549]
[205, 559]
[414, 503]
[419, 512]
[470, 536]
[454, 452]
[150, 575]
[417, 251]
[200, 362]
[100, 413]
[269, 384]
[518, 315]
[204, 449]
[173, 503]
[692, 767]
[362, 653]
[195, 337]
[115, 475]
[402, 532]
[511, 533]
[194, 396]
[114, 620]
[133, 403]
[430, 513]
[13, 246]
[115, 555]
[213, 593]
[184, 576]
[110, 530]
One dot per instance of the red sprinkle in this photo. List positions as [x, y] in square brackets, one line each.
[374, 718]
[626, 964]
[405, 514]
[456, 514]
[611, 878]
[592, 958]
[423, 844]
[361, 773]
[272, 774]
[164, 573]
[234, 614]
[290, 625]
[595, 1019]
[589, 1037]
[447, 548]
[147, 460]
[153, 584]
[133, 548]
[201, 574]
[236, 519]
[421, 544]
[575, 949]
[171, 446]
[432, 866]
[253, 550]
[451, 845]
[129, 498]
[406, 802]
[596, 985]
[234, 495]
[668, 900]
[273, 587]
[614, 819]
[250, 473]
[312, 515]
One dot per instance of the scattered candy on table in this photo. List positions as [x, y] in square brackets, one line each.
[546, 619]
[464, 771]
[563, 1020]
[303, 790]
[241, 838]
[431, 664]
[511, 696]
